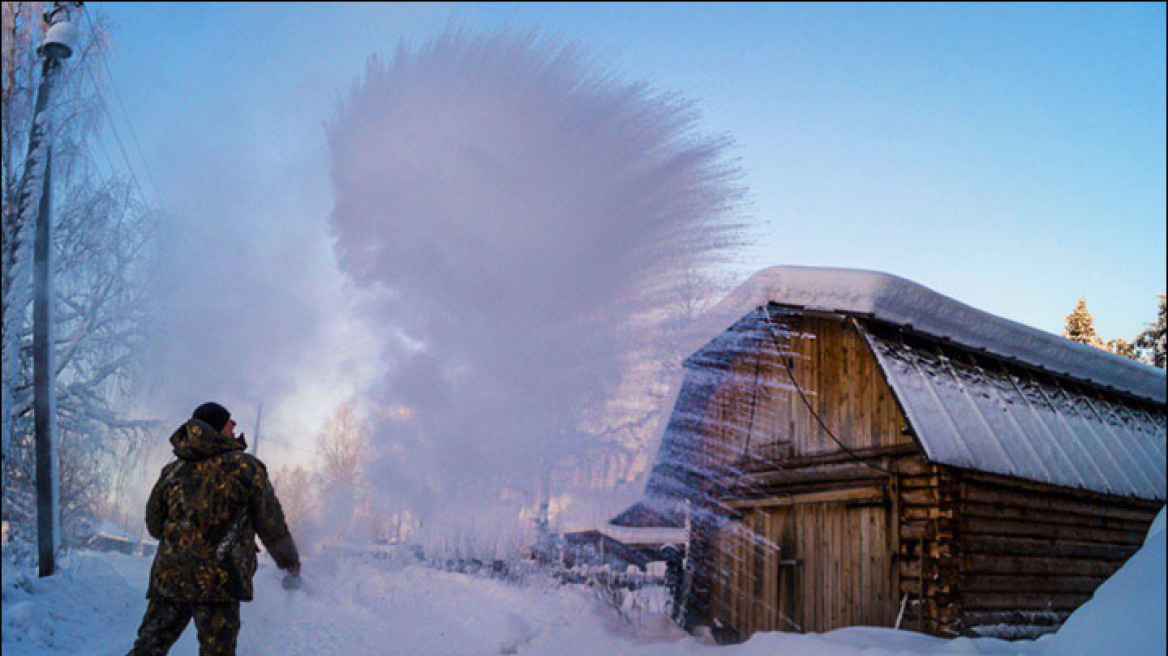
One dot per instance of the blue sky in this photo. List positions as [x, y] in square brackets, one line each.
[1011, 156]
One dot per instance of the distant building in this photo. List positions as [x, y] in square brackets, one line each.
[621, 546]
[856, 449]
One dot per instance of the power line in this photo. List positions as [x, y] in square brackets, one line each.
[117, 136]
[126, 114]
[114, 127]
[70, 74]
[109, 161]
[289, 445]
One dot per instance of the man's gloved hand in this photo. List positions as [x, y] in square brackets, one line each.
[292, 579]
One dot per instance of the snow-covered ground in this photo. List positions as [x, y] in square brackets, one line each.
[356, 607]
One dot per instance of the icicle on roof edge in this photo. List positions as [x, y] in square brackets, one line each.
[902, 302]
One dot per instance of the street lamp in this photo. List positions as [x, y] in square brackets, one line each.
[62, 33]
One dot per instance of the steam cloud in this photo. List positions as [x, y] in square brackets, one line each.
[521, 215]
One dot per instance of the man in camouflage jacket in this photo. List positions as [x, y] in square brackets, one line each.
[206, 510]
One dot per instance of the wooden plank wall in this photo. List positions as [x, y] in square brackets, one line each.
[757, 414]
[757, 420]
[813, 566]
[918, 553]
[844, 384]
[1032, 553]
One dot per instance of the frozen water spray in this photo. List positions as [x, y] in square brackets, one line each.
[527, 221]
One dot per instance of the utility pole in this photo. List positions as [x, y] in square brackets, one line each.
[255, 445]
[55, 48]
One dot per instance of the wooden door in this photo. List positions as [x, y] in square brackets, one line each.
[807, 566]
[835, 568]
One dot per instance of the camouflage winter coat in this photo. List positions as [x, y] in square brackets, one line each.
[205, 511]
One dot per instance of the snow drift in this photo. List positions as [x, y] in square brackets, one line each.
[362, 607]
[1127, 614]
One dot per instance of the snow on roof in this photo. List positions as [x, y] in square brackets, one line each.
[902, 302]
[110, 529]
[652, 512]
[975, 413]
[637, 536]
[644, 536]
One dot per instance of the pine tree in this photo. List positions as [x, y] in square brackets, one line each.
[1151, 342]
[1121, 346]
[1081, 326]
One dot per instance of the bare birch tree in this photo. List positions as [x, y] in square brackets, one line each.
[349, 507]
[103, 243]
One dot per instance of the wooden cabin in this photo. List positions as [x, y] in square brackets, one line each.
[856, 449]
[621, 546]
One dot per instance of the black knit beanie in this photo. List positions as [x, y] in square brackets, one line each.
[212, 413]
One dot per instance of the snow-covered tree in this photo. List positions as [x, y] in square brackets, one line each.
[296, 487]
[348, 504]
[103, 249]
[1121, 346]
[341, 447]
[1151, 341]
[1080, 326]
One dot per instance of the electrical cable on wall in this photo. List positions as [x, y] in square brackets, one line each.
[753, 403]
[807, 403]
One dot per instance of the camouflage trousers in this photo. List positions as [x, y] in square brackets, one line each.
[217, 624]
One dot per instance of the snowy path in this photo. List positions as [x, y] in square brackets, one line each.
[355, 608]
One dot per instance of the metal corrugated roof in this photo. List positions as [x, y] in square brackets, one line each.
[978, 413]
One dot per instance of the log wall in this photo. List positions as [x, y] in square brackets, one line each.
[926, 556]
[1029, 554]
